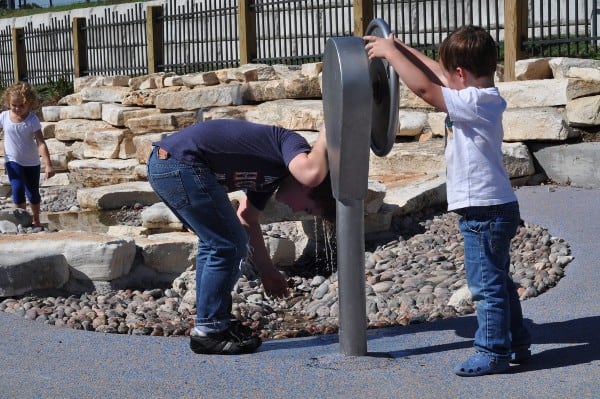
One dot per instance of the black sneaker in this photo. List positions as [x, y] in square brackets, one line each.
[228, 342]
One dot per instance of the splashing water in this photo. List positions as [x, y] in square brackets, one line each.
[324, 231]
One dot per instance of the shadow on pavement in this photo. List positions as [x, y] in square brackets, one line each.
[580, 338]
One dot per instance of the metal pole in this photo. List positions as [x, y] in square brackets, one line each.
[351, 277]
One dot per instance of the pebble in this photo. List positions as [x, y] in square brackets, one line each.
[414, 274]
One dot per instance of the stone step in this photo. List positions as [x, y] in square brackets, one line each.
[575, 164]
[70, 255]
[115, 196]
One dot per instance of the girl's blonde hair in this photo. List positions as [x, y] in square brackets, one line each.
[24, 91]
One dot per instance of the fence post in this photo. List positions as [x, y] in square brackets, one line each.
[363, 15]
[80, 60]
[154, 30]
[247, 24]
[19, 59]
[515, 33]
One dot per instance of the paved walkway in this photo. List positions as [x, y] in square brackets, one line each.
[39, 361]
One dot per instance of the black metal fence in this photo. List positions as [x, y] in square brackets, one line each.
[116, 42]
[200, 36]
[295, 32]
[6, 67]
[48, 51]
[569, 30]
[424, 24]
[204, 35]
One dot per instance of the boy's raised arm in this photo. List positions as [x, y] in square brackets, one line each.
[411, 67]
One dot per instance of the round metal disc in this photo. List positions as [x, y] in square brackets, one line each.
[384, 84]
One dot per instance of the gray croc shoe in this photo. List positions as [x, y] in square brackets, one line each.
[479, 364]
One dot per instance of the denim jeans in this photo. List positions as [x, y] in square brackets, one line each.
[201, 203]
[487, 232]
[24, 180]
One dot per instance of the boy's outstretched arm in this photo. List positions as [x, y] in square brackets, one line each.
[273, 281]
[416, 70]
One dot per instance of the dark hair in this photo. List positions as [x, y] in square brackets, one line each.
[323, 196]
[472, 48]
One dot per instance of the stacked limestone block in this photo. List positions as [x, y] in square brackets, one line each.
[100, 137]
[111, 121]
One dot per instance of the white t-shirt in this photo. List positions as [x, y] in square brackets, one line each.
[19, 141]
[475, 173]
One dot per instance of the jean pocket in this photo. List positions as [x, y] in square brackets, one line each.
[169, 186]
[501, 234]
[472, 225]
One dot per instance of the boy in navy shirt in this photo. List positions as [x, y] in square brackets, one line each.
[194, 169]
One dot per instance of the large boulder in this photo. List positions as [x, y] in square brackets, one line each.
[21, 273]
[575, 164]
[89, 256]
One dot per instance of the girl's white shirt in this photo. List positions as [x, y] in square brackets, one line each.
[19, 140]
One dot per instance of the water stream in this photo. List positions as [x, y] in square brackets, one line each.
[325, 235]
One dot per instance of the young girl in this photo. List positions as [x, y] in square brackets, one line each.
[23, 145]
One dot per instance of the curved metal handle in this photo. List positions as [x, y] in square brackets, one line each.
[384, 84]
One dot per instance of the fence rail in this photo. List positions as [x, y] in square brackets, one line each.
[6, 55]
[115, 42]
[198, 37]
[185, 36]
[48, 50]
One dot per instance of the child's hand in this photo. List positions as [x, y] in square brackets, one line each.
[49, 172]
[274, 283]
[379, 47]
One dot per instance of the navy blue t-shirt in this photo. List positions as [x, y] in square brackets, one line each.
[243, 155]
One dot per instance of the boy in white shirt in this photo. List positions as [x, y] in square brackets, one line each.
[477, 184]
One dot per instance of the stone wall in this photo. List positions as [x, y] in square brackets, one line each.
[100, 137]
[101, 134]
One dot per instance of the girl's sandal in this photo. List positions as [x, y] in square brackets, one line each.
[481, 364]
[37, 227]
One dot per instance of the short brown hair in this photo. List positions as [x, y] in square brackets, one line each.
[472, 48]
[323, 196]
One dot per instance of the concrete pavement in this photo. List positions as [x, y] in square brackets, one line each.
[416, 361]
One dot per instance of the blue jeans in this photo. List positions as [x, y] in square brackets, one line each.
[24, 180]
[200, 202]
[487, 232]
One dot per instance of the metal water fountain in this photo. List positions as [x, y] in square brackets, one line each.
[360, 103]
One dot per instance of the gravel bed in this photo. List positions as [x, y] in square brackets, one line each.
[414, 273]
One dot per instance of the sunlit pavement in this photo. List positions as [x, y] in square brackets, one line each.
[40, 361]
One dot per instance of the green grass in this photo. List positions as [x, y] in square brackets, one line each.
[53, 91]
[33, 8]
